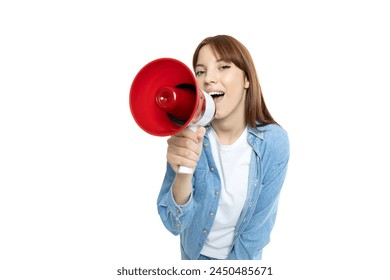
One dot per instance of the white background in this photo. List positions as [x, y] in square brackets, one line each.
[79, 179]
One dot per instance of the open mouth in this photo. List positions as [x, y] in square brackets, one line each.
[216, 95]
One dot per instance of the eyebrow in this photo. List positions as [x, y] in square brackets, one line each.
[201, 65]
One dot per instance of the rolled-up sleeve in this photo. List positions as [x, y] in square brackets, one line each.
[174, 217]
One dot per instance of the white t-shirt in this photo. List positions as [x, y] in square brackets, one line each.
[233, 166]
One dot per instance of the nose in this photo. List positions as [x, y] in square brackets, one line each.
[211, 77]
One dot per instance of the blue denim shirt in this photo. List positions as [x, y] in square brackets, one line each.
[193, 220]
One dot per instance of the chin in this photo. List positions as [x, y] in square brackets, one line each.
[217, 117]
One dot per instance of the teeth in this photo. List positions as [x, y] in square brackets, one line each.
[216, 93]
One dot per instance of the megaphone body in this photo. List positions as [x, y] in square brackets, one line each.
[165, 99]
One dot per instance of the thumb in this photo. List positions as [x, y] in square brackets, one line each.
[200, 133]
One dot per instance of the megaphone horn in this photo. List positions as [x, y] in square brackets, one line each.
[165, 99]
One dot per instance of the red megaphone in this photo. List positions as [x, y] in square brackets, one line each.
[165, 99]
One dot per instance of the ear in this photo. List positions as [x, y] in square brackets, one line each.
[246, 84]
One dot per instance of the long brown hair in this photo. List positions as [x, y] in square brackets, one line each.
[230, 49]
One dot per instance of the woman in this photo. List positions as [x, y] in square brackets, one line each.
[226, 209]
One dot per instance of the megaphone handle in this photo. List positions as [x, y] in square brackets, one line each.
[185, 169]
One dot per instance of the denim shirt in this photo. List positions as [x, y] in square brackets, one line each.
[193, 221]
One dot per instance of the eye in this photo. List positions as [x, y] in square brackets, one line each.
[225, 66]
[198, 73]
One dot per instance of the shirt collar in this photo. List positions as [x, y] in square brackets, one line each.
[254, 131]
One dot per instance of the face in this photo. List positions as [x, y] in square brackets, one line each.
[225, 82]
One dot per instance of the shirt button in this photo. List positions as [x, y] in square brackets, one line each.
[177, 211]
[177, 225]
[206, 144]
[217, 193]
[211, 213]
[212, 169]
[205, 231]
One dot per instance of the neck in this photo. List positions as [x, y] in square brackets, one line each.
[228, 133]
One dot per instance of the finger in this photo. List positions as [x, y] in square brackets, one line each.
[189, 134]
[200, 133]
[190, 154]
[182, 142]
[175, 161]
